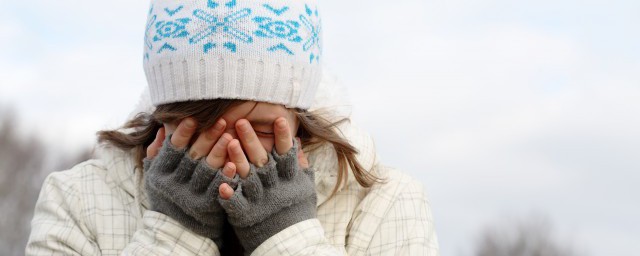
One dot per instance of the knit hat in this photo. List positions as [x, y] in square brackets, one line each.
[261, 50]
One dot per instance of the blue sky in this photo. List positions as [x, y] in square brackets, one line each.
[501, 108]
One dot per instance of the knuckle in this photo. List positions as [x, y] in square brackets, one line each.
[284, 131]
[209, 136]
[238, 161]
[248, 140]
[194, 154]
[218, 149]
[212, 134]
[210, 159]
[217, 153]
[286, 142]
[185, 133]
[237, 150]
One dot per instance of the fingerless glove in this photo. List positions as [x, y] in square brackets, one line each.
[186, 190]
[270, 199]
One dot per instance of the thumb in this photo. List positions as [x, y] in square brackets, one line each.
[302, 158]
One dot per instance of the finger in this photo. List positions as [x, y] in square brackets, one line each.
[154, 147]
[302, 158]
[283, 136]
[251, 143]
[225, 191]
[183, 133]
[218, 154]
[206, 140]
[229, 170]
[236, 155]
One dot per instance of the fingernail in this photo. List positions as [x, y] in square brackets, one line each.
[243, 126]
[189, 123]
[282, 123]
[226, 138]
[235, 146]
[219, 125]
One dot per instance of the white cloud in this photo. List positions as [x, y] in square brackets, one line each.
[496, 113]
[67, 96]
[71, 67]
[501, 118]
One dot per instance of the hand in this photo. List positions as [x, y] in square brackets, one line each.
[256, 152]
[183, 184]
[216, 153]
[271, 195]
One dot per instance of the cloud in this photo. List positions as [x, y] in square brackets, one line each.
[67, 96]
[498, 107]
[499, 116]
[71, 67]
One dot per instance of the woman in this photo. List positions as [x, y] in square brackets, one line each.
[242, 151]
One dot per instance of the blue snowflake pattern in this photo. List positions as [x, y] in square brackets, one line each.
[209, 46]
[226, 24]
[276, 28]
[231, 4]
[285, 29]
[169, 29]
[314, 34]
[213, 4]
[174, 11]
[287, 34]
[280, 47]
[147, 40]
[275, 10]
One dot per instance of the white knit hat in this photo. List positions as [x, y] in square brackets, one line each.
[262, 50]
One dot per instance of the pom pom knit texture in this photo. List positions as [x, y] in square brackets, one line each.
[266, 50]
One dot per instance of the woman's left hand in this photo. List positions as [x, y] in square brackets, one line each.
[256, 152]
[271, 195]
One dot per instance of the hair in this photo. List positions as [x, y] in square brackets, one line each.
[314, 130]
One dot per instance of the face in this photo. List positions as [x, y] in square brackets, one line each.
[261, 115]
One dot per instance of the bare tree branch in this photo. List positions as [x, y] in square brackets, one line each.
[529, 237]
[22, 171]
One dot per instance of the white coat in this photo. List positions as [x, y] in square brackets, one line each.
[99, 207]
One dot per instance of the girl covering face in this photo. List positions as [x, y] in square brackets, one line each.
[238, 147]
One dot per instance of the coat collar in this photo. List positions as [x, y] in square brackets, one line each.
[120, 166]
[325, 161]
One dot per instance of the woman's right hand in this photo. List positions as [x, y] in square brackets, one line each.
[203, 146]
[182, 181]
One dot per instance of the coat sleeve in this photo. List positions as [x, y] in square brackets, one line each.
[393, 219]
[163, 235]
[407, 226]
[59, 228]
[303, 238]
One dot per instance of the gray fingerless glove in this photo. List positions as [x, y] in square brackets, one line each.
[186, 190]
[270, 199]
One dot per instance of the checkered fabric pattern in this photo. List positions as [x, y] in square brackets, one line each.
[92, 209]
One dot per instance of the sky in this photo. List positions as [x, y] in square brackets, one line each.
[502, 109]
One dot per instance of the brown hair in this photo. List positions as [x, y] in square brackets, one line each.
[314, 130]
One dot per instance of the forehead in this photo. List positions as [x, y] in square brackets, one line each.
[257, 112]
